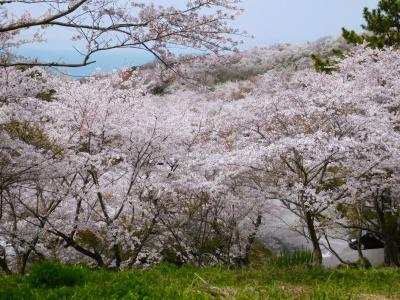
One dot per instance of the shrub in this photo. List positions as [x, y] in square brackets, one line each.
[31, 135]
[47, 96]
[48, 274]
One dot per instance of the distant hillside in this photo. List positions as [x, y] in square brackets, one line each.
[241, 66]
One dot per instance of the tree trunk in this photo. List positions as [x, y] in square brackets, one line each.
[391, 251]
[24, 262]
[317, 253]
[250, 241]
[117, 254]
[3, 261]
[363, 259]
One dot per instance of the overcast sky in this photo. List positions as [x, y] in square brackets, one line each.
[271, 21]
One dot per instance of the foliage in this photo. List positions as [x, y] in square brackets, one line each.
[47, 96]
[381, 30]
[382, 26]
[328, 65]
[323, 64]
[31, 135]
[48, 274]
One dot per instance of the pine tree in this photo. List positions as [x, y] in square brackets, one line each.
[328, 64]
[382, 26]
[382, 29]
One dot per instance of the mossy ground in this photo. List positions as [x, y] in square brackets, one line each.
[170, 282]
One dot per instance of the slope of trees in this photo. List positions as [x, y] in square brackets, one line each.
[104, 172]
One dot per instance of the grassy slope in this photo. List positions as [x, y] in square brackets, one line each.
[170, 282]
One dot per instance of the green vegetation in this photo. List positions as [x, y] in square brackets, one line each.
[288, 259]
[328, 65]
[31, 135]
[382, 26]
[47, 96]
[49, 274]
[325, 65]
[168, 281]
[382, 29]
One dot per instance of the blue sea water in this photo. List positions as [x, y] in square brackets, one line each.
[105, 61]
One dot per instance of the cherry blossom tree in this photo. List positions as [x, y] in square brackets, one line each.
[325, 140]
[105, 25]
[374, 78]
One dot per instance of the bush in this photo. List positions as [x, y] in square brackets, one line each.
[32, 135]
[50, 274]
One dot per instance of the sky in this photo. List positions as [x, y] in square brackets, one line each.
[271, 21]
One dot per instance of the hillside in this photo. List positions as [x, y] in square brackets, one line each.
[194, 164]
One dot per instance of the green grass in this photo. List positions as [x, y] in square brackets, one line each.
[299, 257]
[170, 282]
